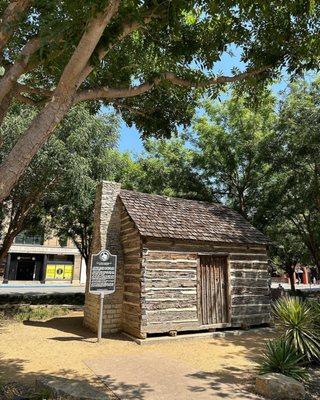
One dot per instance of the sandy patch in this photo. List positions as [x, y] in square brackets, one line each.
[59, 346]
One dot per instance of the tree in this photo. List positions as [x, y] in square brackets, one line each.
[92, 145]
[287, 250]
[62, 168]
[296, 182]
[148, 59]
[166, 168]
[233, 144]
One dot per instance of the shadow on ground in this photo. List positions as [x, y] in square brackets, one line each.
[213, 384]
[12, 370]
[250, 344]
[125, 391]
[236, 380]
[71, 325]
[21, 383]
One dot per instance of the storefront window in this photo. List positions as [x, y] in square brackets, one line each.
[59, 267]
[25, 238]
[63, 241]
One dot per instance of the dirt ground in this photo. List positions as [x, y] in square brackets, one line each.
[59, 346]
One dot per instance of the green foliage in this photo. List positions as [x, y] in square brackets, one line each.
[281, 357]
[296, 319]
[76, 299]
[233, 143]
[60, 181]
[290, 202]
[187, 37]
[264, 162]
[27, 313]
[315, 307]
[166, 167]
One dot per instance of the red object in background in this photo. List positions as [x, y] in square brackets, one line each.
[305, 276]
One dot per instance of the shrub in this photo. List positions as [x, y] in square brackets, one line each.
[281, 357]
[297, 320]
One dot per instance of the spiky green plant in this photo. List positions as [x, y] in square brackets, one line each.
[296, 319]
[281, 357]
[315, 307]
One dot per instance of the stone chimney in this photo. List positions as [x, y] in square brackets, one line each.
[106, 217]
[106, 235]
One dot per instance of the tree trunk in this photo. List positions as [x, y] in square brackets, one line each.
[4, 107]
[33, 139]
[292, 279]
[317, 262]
[7, 242]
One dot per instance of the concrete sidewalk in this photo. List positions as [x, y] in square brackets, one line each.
[301, 286]
[39, 289]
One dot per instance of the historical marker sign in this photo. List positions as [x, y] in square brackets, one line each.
[103, 272]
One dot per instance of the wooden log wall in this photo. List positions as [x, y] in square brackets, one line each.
[169, 298]
[132, 251]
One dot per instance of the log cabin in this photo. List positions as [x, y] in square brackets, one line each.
[183, 265]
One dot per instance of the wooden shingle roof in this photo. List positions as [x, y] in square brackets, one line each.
[174, 218]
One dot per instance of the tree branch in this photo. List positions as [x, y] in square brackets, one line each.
[187, 83]
[113, 93]
[71, 76]
[7, 82]
[25, 99]
[7, 23]
[132, 109]
[127, 29]
[19, 218]
[4, 106]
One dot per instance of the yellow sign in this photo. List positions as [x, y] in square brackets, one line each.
[68, 272]
[59, 271]
[51, 271]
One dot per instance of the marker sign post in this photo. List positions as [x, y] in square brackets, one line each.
[102, 279]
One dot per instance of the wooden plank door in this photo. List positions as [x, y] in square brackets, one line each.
[213, 290]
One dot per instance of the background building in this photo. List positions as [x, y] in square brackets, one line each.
[34, 259]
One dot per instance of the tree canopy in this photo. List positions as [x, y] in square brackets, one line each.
[296, 179]
[233, 143]
[150, 60]
[56, 192]
[264, 162]
[167, 167]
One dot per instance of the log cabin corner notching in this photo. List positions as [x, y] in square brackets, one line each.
[183, 265]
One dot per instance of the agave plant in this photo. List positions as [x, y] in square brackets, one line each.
[297, 320]
[315, 307]
[281, 357]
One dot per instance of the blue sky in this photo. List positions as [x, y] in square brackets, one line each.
[130, 138]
